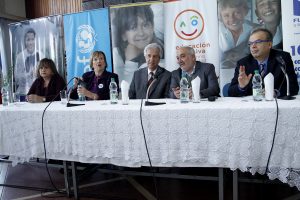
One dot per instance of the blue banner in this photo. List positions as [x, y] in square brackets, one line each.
[86, 32]
[297, 7]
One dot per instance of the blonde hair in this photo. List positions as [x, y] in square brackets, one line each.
[97, 54]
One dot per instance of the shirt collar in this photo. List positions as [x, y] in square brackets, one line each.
[151, 71]
[29, 54]
[265, 62]
[189, 74]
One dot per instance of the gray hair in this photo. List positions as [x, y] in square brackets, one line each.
[189, 49]
[153, 46]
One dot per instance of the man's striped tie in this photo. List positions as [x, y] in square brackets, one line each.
[151, 79]
[262, 70]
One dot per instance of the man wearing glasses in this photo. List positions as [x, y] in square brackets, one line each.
[264, 59]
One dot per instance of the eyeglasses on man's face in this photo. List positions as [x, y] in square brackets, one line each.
[257, 42]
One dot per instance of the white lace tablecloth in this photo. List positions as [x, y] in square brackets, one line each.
[233, 133]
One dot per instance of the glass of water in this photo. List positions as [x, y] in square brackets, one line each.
[63, 96]
[16, 97]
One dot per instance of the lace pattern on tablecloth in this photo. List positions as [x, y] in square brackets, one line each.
[285, 175]
[192, 135]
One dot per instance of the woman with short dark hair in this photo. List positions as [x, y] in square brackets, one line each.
[48, 83]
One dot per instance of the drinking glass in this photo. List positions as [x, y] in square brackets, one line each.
[63, 96]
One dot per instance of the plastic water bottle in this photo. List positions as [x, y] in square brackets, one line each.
[81, 97]
[5, 96]
[113, 91]
[184, 90]
[257, 86]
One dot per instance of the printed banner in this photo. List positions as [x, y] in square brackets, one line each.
[0, 64]
[133, 27]
[291, 31]
[5, 49]
[32, 41]
[236, 21]
[86, 32]
[191, 23]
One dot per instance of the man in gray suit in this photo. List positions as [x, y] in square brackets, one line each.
[154, 77]
[191, 68]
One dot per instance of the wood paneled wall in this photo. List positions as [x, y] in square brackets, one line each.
[41, 8]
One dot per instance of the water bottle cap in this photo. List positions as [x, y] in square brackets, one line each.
[256, 71]
[112, 79]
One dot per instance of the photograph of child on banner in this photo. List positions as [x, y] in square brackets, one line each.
[31, 41]
[133, 28]
[268, 14]
[26, 62]
[234, 31]
[0, 79]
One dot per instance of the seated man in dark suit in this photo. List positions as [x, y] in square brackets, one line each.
[186, 58]
[153, 76]
[264, 59]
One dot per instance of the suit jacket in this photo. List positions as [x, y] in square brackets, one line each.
[104, 81]
[51, 93]
[159, 88]
[209, 85]
[273, 67]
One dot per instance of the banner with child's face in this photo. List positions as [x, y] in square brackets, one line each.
[32, 41]
[237, 18]
[133, 27]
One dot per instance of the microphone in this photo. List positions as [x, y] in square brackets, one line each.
[149, 103]
[283, 67]
[80, 82]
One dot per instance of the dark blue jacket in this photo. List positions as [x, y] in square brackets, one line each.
[273, 67]
[103, 84]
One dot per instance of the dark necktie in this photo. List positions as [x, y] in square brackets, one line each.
[262, 69]
[29, 63]
[188, 78]
[151, 79]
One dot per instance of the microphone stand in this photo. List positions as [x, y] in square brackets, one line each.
[149, 103]
[74, 104]
[288, 96]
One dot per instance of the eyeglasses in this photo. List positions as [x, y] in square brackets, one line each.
[257, 42]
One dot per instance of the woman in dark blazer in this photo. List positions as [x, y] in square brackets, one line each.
[48, 83]
[95, 84]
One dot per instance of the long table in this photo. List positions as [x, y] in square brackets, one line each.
[233, 133]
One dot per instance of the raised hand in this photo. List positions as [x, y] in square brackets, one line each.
[243, 78]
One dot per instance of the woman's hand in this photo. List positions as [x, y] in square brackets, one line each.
[82, 91]
[76, 81]
[33, 98]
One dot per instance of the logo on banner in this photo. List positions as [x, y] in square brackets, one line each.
[297, 7]
[85, 38]
[189, 24]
